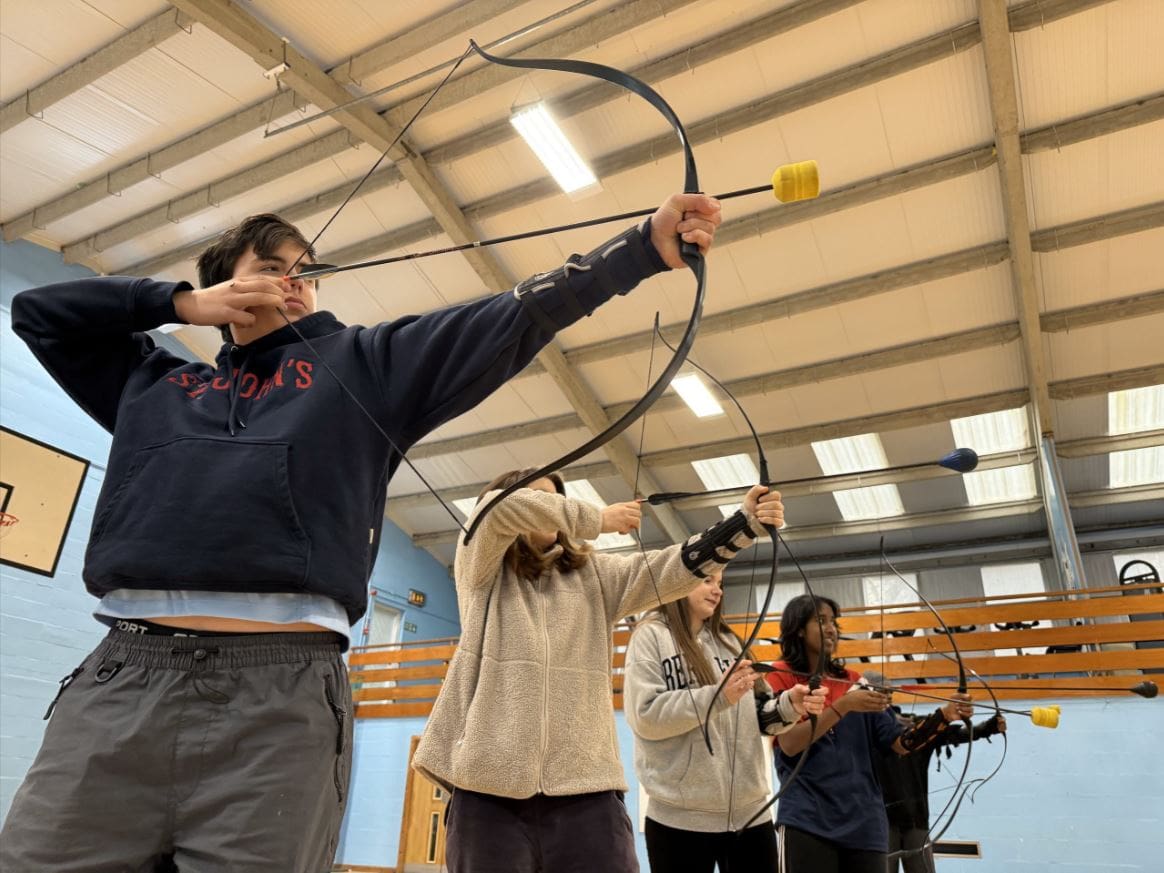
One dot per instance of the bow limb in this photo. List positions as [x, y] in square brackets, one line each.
[958, 794]
[689, 252]
[814, 680]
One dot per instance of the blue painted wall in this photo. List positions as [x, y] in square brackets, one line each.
[400, 566]
[1087, 797]
[46, 624]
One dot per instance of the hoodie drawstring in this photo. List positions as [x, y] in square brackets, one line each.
[235, 390]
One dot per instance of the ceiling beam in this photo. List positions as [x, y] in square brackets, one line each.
[678, 63]
[1104, 312]
[809, 93]
[783, 20]
[246, 33]
[865, 362]
[1102, 445]
[33, 102]
[1000, 77]
[252, 117]
[461, 18]
[1108, 120]
[1104, 383]
[831, 484]
[909, 521]
[1079, 448]
[920, 53]
[994, 550]
[903, 418]
[259, 114]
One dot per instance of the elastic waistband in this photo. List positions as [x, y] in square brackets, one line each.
[219, 652]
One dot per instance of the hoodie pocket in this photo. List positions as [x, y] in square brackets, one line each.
[210, 513]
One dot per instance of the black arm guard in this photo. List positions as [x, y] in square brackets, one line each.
[925, 733]
[718, 543]
[768, 713]
[557, 299]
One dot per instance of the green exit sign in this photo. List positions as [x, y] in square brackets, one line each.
[409, 627]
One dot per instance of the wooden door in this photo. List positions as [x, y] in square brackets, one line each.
[422, 824]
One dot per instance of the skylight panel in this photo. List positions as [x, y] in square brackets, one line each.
[466, 506]
[730, 471]
[1133, 411]
[850, 454]
[1002, 485]
[876, 501]
[1136, 467]
[992, 432]
[856, 454]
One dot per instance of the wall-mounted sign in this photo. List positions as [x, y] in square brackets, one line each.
[416, 598]
[409, 627]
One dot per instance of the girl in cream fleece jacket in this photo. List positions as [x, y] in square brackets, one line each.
[699, 801]
[523, 729]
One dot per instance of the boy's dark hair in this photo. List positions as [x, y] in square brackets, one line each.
[264, 233]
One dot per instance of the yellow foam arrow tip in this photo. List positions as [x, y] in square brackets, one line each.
[800, 181]
[1045, 716]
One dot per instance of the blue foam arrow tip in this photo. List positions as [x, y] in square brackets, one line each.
[960, 460]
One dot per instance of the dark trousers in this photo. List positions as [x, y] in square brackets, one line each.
[909, 840]
[577, 833]
[672, 850]
[201, 753]
[802, 852]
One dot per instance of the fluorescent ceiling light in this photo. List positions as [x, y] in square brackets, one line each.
[553, 149]
[730, 471]
[581, 489]
[1136, 467]
[992, 432]
[853, 455]
[696, 395]
[1003, 485]
[1135, 410]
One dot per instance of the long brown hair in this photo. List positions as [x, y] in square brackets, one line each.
[524, 559]
[699, 669]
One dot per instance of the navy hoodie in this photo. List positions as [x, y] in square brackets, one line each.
[259, 474]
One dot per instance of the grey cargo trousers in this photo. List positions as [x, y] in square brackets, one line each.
[213, 753]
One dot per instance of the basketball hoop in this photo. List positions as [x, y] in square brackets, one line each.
[7, 522]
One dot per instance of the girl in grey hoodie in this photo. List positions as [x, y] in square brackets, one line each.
[675, 660]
